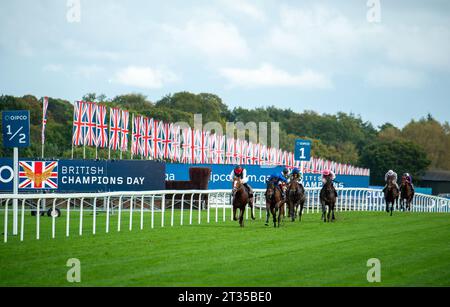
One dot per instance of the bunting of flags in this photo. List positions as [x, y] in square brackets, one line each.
[153, 139]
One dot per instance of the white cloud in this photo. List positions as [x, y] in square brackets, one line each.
[246, 8]
[315, 32]
[267, 75]
[88, 72]
[214, 39]
[391, 77]
[144, 77]
[52, 68]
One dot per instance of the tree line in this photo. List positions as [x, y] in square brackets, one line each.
[341, 137]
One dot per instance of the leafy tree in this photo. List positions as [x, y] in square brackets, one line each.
[401, 156]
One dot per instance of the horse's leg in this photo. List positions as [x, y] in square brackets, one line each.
[267, 213]
[292, 210]
[300, 212]
[241, 216]
[324, 212]
[274, 215]
[332, 212]
[234, 213]
[329, 211]
[280, 213]
[250, 204]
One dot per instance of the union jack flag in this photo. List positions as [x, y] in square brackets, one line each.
[44, 118]
[102, 127]
[90, 120]
[187, 146]
[78, 124]
[156, 139]
[136, 137]
[230, 150]
[147, 125]
[176, 143]
[204, 147]
[38, 175]
[166, 140]
[125, 116]
[196, 146]
[220, 149]
[114, 128]
[212, 148]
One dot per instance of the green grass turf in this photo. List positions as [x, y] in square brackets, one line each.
[414, 250]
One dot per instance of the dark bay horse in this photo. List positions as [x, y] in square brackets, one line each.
[295, 197]
[328, 196]
[274, 204]
[406, 194]
[391, 195]
[240, 201]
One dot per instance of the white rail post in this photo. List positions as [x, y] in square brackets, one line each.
[163, 208]
[182, 209]
[119, 218]
[38, 219]
[217, 207]
[207, 208]
[131, 212]
[81, 216]
[94, 216]
[5, 232]
[107, 213]
[190, 209]
[68, 217]
[223, 207]
[173, 210]
[22, 220]
[199, 207]
[308, 197]
[53, 218]
[142, 212]
[153, 211]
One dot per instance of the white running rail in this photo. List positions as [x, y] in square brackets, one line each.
[189, 204]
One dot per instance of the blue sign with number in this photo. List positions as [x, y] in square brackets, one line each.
[16, 128]
[302, 150]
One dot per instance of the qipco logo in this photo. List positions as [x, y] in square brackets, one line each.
[6, 174]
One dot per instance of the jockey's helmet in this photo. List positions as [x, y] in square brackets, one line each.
[326, 172]
[285, 171]
[406, 174]
[390, 172]
[238, 170]
[296, 171]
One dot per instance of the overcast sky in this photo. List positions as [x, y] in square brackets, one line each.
[316, 55]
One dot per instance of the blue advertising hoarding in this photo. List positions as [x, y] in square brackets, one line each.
[221, 176]
[83, 175]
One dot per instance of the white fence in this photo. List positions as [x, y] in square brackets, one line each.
[215, 204]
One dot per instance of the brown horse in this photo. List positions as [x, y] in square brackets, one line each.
[295, 197]
[406, 194]
[328, 197]
[274, 204]
[240, 201]
[391, 195]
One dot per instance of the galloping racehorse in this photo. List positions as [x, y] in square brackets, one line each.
[406, 194]
[295, 197]
[274, 204]
[391, 195]
[328, 197]
[240, 200]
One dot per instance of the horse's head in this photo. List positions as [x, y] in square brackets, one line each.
[237, 183]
